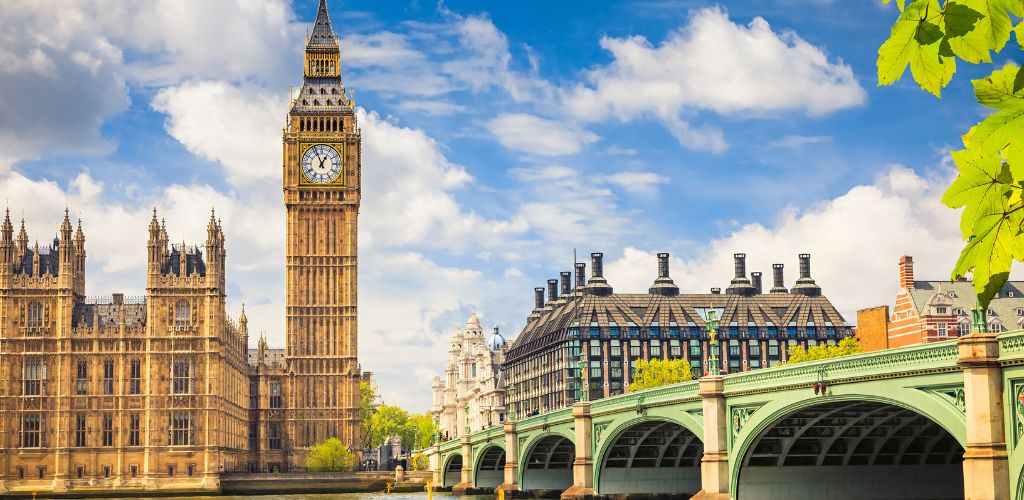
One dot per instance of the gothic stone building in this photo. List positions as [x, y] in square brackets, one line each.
[161, 392]
[616, 330]
[118, 392]
[472, 394]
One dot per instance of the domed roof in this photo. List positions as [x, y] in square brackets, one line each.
[496, 341]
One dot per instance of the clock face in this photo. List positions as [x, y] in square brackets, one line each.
[321, 164]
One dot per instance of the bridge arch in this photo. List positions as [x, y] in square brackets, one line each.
[546, 462]
[851, 446]
[452, 471]
[649, 454]
[489, 470]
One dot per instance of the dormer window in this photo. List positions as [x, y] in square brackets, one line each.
[1009, 294]
[991, 312]
[323, 91]
[957, 311]
[940, 310]
[1020, 312]
[951, 294]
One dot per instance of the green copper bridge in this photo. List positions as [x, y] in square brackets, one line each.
[940, 420]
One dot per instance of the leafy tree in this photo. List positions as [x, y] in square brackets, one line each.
[367, 407]
[420, 431]
[930, 37]
[330, 456]
[420, 461]
[658, 372]
[797, 353]
[388, 421]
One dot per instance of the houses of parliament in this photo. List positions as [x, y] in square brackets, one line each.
[161, 392]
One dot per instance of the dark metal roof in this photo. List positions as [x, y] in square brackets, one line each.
[323, 33]
[646, 310]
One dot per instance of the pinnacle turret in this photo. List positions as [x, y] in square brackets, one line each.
[323, 33]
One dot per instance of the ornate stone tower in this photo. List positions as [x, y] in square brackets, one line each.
[321, 179]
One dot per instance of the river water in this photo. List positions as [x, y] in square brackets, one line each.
[334, 496]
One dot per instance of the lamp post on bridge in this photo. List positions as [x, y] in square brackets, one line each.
[711, 322]
[584, 376]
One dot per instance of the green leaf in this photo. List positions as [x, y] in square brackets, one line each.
[899, 3]
[990, 250]
[932, 70]
[981, 179]
[1018, 31]
[994, 28]
[1000, 90]
[1018, 81]
[959, 19]
[927, 33]
[896, 51]
[999, 131]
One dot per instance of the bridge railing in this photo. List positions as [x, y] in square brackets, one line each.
[1011, 347]
[933, 357]
[656, 396]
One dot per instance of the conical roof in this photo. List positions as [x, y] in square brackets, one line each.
[323, 34]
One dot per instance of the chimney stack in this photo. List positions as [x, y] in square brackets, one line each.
[755, 279]
[806, 285]
[597, 284]
[664, 284]
[538, 298]
[906, 273]
[597, 264]
[740, 285]
[566, 278]
[780, 284]
[581, 275]
[552, 291]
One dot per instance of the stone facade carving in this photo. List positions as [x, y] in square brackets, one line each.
[472, 393]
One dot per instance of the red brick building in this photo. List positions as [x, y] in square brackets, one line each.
[930, 311]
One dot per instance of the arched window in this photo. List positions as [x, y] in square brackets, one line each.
[328, 102]
[316, 102]
[182, 314]
[323, 91]
[34, 315]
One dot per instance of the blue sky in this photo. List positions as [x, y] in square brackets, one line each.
[498, 137]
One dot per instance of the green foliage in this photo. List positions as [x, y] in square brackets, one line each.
[420, 461]
[330, 456]
[659, 372]
[929, 36]
[797, 353]
[367, 407]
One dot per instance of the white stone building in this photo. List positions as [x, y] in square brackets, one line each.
[473, 387]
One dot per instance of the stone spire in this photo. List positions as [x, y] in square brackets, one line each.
[323, 34]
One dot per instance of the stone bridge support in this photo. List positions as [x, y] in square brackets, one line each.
[583, 465]
[986, 471]
[466, 479]
[510, 484]
[436, 467]
[714, 467]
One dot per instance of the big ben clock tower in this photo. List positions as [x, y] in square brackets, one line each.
[321, 193]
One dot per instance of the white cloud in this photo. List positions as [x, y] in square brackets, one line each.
[855, 242]
[637, 182]
[715, 65]
[432, 107]
[407, 194]
[238, 126]
[617, 151]
[798, 141]
[540, 136]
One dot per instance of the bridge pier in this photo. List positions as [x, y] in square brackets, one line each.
[714, 466]
[466, 478]
[510, 484]
[986, 470]
[583, 465]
